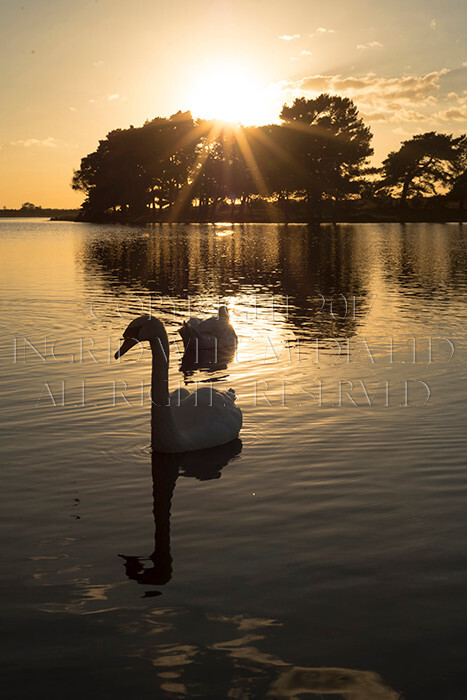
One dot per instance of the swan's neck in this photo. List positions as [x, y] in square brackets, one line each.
[164, 434]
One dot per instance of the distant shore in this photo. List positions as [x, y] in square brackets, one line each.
[415, 216]
[52, 213]
[262, 215]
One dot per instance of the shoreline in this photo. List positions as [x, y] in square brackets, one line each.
[415, 218]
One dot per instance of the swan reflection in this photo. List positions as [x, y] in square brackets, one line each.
[156, 570]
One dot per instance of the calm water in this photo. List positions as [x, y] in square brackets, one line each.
[324, 554]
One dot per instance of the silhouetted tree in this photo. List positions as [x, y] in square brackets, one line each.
[459, 191]
[29, 207]
[325, 145]
[135, 167]
[169, 153]
[112, 177]
[421, 165]
[168, 163]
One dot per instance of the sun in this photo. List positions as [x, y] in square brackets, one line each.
[229, 92]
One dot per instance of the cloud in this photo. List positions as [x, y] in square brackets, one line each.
[115, 96]
[395, 115]
[456, 114]
[370, 45]
[98, 63]
[372, 90]
[396, 100]
[433, 23]
[401, 132]
[455, 97]
[49, 142]
[289, 37]
[323, 30]
[305, 53]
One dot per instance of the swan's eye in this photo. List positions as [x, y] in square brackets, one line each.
[132, 333]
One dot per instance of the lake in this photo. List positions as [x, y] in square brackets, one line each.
[324, 553]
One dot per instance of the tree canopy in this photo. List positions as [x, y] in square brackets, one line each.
[422, 164]
[170, 163]
[329, 144]
[179, 167]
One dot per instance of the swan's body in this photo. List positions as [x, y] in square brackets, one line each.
[213, 332]
[181, 421]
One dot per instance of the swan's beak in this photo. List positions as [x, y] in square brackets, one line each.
[127, 344]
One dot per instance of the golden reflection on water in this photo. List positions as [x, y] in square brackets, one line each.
[342, 682]
[323, 281]
[250, 665]
[287, 288]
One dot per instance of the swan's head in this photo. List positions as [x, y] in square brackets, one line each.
[141, 329]
[223, 313]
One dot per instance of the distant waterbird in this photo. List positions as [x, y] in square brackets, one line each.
[214, 332]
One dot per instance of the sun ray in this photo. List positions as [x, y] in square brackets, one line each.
[254, 169]
[184, 194]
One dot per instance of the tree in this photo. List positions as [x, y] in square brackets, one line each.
[133, 168]
[29, 207]
[422, 164]
[169, 163]
[325, 145]
[112, 177]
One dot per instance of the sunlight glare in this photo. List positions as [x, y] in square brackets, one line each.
[229, 92]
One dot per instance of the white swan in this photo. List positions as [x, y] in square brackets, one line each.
[213, 332]
[183, 421]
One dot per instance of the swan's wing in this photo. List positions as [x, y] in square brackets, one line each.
[208, 417]
[219, 328]
[177, 396]
[213, 325]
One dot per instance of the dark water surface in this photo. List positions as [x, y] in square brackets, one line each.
[324, 554]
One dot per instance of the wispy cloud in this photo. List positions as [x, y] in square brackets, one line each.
[289, 37]
[395, 115]
[49, 142]
[400, 131]
[305, 53]
[115, 96]
[370, 45]
[323, 30]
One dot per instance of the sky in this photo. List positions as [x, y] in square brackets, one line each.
[73, 71]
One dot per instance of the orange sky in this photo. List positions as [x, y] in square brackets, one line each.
[73, 71]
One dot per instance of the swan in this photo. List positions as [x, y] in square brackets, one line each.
[214, 332]
[181, 421]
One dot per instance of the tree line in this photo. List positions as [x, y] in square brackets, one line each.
[179, 168]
